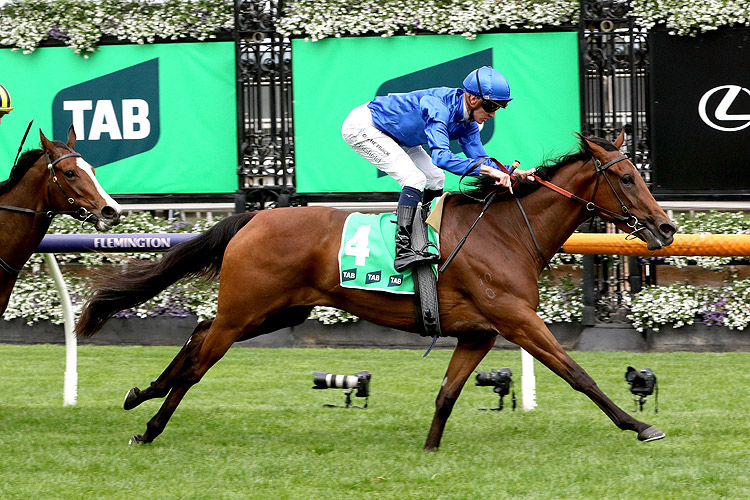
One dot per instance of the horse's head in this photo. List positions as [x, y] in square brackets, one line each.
[73, 186]
[621, 190]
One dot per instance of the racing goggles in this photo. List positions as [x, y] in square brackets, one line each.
[492, 106]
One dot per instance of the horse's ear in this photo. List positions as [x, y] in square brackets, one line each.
[72, 137]
[46, 143]
[620, 139]
[594, 147]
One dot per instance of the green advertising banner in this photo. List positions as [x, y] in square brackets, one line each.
[333, 76]
[152, 119]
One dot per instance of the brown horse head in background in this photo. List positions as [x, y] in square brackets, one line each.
[45, 182]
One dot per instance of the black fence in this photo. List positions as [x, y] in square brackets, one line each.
[265, 123]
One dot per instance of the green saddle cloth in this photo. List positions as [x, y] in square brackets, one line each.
[367, 252]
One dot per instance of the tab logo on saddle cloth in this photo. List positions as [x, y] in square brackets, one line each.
[367, 253]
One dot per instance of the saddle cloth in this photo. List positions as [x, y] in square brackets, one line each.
[367, 253]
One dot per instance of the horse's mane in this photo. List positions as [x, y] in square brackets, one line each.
[25, 162]
[480, 187]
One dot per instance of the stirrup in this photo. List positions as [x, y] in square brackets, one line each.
[414, 258]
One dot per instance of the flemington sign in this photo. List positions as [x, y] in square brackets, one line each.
[61, 243]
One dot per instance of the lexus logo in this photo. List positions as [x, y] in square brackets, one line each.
[714, 116]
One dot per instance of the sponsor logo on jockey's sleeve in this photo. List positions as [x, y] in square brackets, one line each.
[115, 116]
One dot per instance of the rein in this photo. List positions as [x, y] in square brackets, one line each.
[630, 220]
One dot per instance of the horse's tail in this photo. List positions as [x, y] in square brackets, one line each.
[200, 256]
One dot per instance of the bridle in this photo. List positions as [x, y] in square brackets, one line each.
[79, 213]
[626, 217]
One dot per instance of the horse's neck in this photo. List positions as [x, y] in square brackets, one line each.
[551, 216]
[21, 233]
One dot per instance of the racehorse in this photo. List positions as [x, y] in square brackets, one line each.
[276, 265]
[43, 183]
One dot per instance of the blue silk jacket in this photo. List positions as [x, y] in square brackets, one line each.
[433, 117]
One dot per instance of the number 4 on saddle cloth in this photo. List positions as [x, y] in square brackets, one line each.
[367, 254]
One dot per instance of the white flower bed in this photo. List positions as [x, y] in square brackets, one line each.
[81, 24]
[682, 304]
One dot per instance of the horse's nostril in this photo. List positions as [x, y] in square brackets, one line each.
[109, 212]
[667, 229]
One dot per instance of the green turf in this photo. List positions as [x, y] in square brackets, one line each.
[254, 429]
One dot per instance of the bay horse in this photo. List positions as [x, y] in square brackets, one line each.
[276, 265]
[45, 182]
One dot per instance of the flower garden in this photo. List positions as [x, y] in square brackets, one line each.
[83, 24]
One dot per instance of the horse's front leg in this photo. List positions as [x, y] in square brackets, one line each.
[532, 334]
[466, 357]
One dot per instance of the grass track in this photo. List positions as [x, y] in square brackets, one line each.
[254, 429]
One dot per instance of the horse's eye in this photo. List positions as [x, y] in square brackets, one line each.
[70, 174]
[628, 179]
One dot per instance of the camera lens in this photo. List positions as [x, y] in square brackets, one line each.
[323, 380]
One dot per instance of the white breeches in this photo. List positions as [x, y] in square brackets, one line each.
[409, 166]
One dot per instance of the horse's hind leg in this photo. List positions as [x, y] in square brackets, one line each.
[533, 335]
[206, 346]
[184, 375]
[466, 357]
[156, 425]
[160, 387]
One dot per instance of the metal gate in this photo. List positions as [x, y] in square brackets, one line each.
[265, 124]
[614, 96]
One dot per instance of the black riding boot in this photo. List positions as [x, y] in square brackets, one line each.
[406, 256]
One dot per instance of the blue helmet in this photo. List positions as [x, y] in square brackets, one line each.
[487, 83]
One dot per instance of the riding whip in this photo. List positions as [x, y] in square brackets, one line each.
[22, 141]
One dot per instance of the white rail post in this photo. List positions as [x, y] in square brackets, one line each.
[528, 381]
[70, 386]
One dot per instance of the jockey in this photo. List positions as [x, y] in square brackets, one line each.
[5, 106]
[389, 132]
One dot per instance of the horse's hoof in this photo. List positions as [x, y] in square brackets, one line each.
[137, 439]
[131, 399]
[650, 434]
